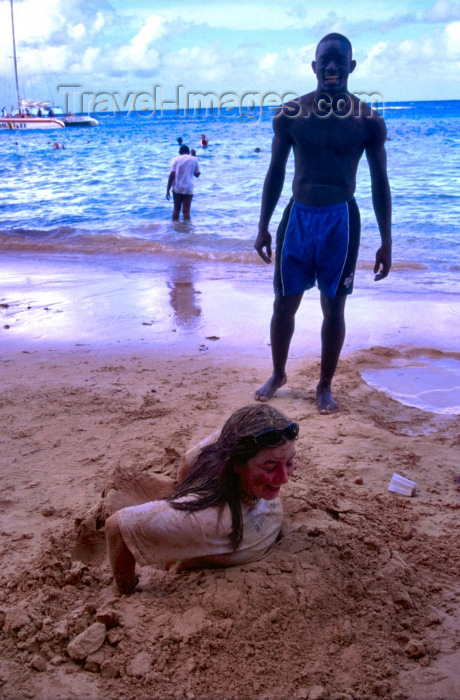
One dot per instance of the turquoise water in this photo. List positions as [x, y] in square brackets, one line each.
[105, 191]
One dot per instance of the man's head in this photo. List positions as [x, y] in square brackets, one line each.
[184, 149]
[335, 36]
[333, 63]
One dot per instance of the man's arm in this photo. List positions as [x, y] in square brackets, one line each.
[273, 185]
[172, 175]
[381, 196]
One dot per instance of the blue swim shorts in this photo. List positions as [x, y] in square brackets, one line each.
[317, 245]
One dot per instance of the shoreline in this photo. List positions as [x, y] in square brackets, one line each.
[183, 309]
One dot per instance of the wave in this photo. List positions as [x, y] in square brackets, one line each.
[67, 240]
[179, 240]
[399, 265]
[398, 107]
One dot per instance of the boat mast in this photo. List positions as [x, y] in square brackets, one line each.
[14, 54]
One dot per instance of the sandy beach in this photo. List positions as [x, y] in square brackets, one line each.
[361, 596]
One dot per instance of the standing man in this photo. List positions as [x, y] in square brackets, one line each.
[183, 168]
[318, 237]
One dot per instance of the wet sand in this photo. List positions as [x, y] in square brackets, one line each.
[106, 380]
[183, 306]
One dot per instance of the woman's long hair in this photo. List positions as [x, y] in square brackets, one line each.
[212, 479]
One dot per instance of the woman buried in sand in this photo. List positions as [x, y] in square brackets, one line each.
[225, 511]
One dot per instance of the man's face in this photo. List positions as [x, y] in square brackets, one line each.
[332, 66]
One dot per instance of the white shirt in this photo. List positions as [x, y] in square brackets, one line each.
[185, 167]
[157, 533]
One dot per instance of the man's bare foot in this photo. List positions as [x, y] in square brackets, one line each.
[269, 388]
[325, 401]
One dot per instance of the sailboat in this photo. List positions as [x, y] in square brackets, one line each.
[79, 120]
[30, 114]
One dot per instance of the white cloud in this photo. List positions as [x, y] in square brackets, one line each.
[268, 62]
[237, 15]
[443, 11]
[99, 22]
[131, 58]
[77, 32]
[51, 59]
[206, 64]
[377, 50]
[412, 69]
[289, 67]
[453, 38]
[37, 20]
[201, 44]
[139, 54]
[262, 15]
[375, 59]
[152, 30]
[87, 63]
[303, 58]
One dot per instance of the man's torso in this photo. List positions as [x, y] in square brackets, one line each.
[327, 150]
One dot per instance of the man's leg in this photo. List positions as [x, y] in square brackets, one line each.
[281, 331]
[177, 198]
[187, 203]
[332, 337]
[121, 560]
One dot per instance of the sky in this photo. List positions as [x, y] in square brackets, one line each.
[405, 50]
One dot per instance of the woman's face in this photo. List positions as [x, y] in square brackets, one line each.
[264, 474]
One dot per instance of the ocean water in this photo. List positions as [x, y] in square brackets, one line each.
[105, 191]
[101, 198]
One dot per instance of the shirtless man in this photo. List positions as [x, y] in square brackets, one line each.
[318, 237]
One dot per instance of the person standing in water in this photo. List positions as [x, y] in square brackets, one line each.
[183, 169]
[318, 237]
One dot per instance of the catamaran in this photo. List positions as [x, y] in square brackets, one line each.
[30, 114]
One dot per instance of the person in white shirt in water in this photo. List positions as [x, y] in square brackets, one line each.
[183, 169]
[226, 509]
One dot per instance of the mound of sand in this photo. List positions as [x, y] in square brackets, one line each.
[359, 599]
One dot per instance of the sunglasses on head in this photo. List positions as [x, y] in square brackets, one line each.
[273, 436]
